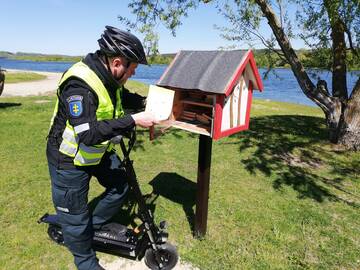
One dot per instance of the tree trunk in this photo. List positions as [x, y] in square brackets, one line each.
[339, 87]
[349, 129]
[333, 117]
[331, 106]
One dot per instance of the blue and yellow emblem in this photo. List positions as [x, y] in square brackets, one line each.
[75, 105]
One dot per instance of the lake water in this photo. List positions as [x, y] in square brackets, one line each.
[280, 85]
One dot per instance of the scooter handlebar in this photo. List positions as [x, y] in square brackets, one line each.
[131, 136]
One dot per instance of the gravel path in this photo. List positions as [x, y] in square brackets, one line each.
[125, 264]
[33, 88]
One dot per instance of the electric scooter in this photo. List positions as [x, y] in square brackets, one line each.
[146, 240]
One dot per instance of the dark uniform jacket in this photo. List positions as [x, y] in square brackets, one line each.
[99, 131]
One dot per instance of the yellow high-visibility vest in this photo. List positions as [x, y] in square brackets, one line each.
[86, 155]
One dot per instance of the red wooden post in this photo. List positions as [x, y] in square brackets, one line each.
[203, 182]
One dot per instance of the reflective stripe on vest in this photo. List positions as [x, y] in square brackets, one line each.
[85, 155]
[69, 144]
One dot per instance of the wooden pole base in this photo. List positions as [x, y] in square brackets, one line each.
[203, 183]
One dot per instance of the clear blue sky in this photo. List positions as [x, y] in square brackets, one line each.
[73, 27]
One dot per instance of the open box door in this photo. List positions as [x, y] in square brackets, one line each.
[189, 110]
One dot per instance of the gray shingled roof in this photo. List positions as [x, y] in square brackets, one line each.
[208, 71]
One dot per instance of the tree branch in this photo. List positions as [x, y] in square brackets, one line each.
[356, 89]
[309, 89]
[348, 33]
[339, 50]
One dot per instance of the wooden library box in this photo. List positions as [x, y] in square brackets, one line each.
[206, 92]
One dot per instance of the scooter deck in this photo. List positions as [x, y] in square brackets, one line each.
[123, 247]
[120, 242]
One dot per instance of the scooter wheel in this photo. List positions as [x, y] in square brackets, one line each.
[55, 234]
[168, 256]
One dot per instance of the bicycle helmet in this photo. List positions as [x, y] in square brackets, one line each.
[115, 42]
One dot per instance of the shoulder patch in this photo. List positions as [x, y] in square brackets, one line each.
[75, 105]
[74, 98]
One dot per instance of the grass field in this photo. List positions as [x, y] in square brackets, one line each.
[281, 197]
[16, 77]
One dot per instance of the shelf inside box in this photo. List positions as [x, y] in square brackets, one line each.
[193, 111]
[196, 103]
[200, 129]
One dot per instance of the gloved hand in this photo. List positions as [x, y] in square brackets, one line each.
[144, 119]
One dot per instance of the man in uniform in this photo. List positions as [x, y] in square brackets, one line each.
[88, 113]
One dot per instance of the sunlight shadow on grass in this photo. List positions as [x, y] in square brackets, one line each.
[288, 149]
[181, 191]
[7, 105]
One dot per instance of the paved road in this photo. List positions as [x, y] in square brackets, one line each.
[33, 88]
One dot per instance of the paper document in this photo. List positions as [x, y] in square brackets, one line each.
[160, 102]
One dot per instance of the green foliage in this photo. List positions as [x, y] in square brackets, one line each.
[150, 41]
[160, 59]
[281, 197]
[153, 56]
[40, 57]
[315, 20]
[148, 13]
[43, 57]
[266, 58]
[320, 58]
[15, 77]
[353, 60]
[5, 54]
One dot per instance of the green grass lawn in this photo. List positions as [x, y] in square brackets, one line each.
[281, 196]
[16, 77]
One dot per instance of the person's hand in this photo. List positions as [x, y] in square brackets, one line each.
[144, 119]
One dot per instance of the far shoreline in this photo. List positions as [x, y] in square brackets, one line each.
[30, 70]
[74, 61]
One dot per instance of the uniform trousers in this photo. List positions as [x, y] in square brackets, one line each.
[70, 197]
